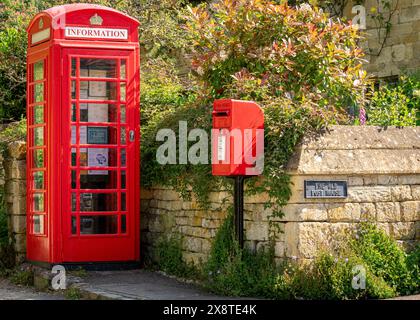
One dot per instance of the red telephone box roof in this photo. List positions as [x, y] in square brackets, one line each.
[57, 11]
[80, 15]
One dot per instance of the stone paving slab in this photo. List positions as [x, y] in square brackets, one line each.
[148, 285]
[141, 285]
[9, 291]
[413, 297]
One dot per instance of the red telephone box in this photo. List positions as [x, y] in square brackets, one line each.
[83, 136]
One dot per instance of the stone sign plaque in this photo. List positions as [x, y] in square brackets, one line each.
[325, 189]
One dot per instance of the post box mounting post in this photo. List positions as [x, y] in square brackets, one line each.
[238, 199]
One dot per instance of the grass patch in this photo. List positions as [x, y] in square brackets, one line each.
[73, 293]
[22, 277]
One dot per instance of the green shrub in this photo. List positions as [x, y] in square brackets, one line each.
[261, 51]
[169, 257]
[389, 271]
[396, 104]
[330, 278]
[232, 271]
[390, 107]
[413, 261]
[12, 132]
[385, 258]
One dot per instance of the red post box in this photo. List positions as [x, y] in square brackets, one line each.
[237, 138]
[237, 149]
[83, 136]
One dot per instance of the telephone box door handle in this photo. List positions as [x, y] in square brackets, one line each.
[132, 135]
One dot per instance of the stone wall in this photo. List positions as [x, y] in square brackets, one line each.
[402, 46]
[13, 164]
[382, 170]
[381, 167]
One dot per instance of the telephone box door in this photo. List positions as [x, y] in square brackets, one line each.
[100, 133]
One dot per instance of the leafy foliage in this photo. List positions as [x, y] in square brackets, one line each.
[397, 105]
[161, 39]
[169, 257]
[386, 259]
[329, 278]
[232, 271]
[302, 67]
[389, 270]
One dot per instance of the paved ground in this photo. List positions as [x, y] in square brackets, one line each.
[142, 285]
[134, 284]
[9, 291]
[148, 285]
[414, 297]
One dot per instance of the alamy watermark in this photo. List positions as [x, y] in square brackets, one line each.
[59, 281]
[238, 147]
[358, 282]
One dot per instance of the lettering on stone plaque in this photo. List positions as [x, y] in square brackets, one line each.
[325, 189]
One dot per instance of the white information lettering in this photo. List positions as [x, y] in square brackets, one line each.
[91, 33]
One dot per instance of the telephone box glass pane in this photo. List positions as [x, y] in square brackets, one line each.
[39, 136]
[73, 179]
[123, 179]
[39, 92]
[123, 69]
[123, 202]
[99, 179]
[73, 112]
[73, 157]
[38, 114]
[98, 68]
[73, 202]
[123, 157]
[123, 136]
[98, 157]
[98, 202]
[122, 91]
[38, 70]
[73, 225]
[98, 90]
[73, 67]
[73, 134]
[38, 158]
[122, 118]
[73, 89]
[95, 135]
[123, 224]
[38, 224]
[99, 224]
[98, 112]
[38, 180]
[38, 202]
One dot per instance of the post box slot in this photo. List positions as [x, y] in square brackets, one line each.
[221, 113]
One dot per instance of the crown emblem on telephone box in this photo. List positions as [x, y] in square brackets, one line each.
[96, 20]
